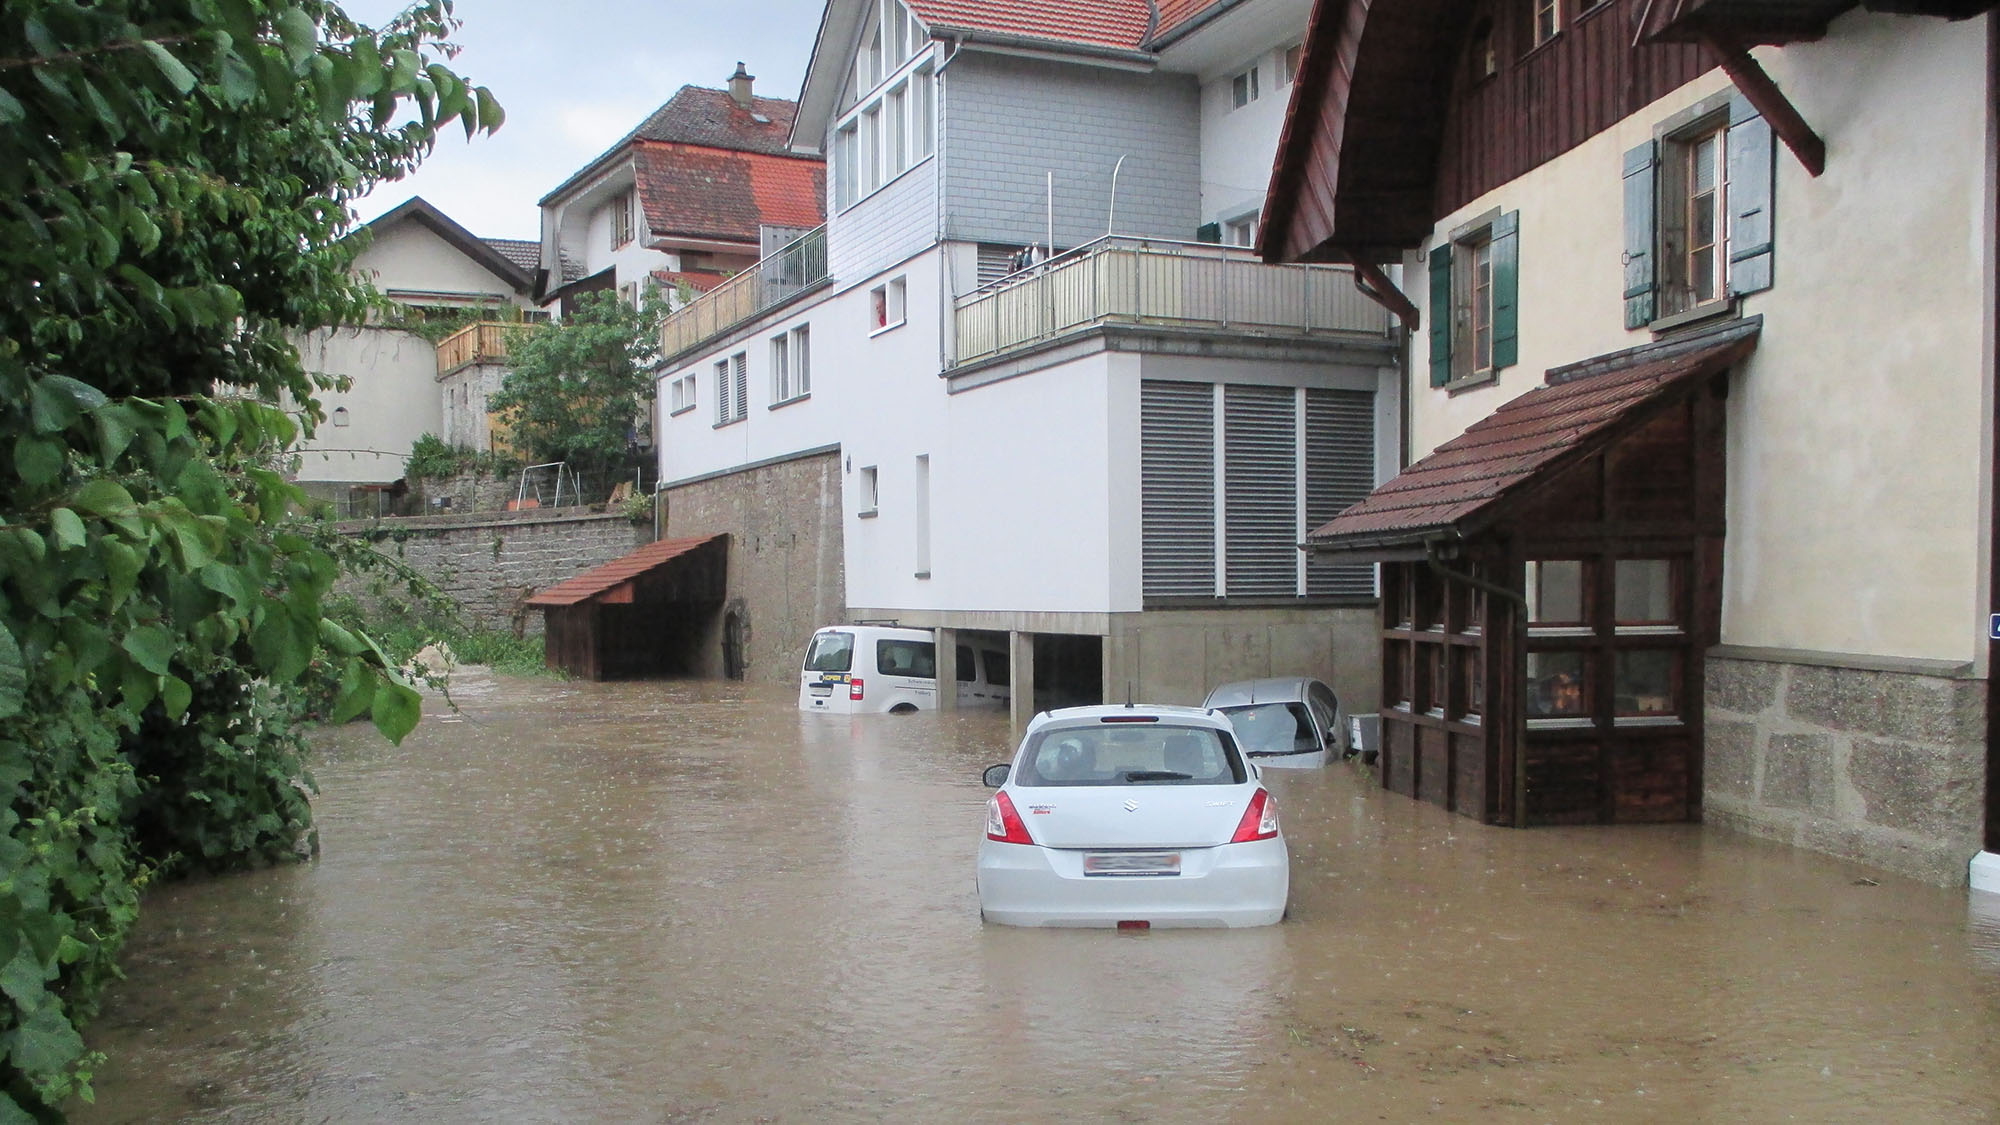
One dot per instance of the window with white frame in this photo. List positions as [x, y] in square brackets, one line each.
[681, 394]
[1243, 88]
[732, 388]
[865, 505]
[1240, 231]
[885, 305]
[791, 365]
[1548, 20]
[620, 213]
[890, 120]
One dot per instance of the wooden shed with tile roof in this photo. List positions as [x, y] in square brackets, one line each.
[641, 615]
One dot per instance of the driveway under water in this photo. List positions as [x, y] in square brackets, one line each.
[686, 901]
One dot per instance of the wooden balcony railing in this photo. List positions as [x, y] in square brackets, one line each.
[798, 266]
[1153, 282]
[485, 342]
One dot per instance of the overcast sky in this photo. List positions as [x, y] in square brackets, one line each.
[576, 75]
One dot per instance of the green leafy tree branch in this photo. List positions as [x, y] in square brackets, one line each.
[575, 390]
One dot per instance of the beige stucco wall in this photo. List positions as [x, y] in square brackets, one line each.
[411, 257]
[1856, 446]
[392, 401]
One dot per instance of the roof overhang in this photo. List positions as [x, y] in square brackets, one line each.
[618, 582]
[1470, 483]
[819, 95]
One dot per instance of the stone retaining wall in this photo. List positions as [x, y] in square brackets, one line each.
[1881, 766]
[493, 562]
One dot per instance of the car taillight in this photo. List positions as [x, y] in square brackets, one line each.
[1260, 820]
[854, 688]
[1003, 823]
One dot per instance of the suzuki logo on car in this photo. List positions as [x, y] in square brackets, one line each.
[1131, 806]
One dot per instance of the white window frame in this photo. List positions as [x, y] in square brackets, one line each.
[681, 394]
[781, 368]
[802, 360]
[892, 122]
[732, 389]
[1243, 88]
[1289, 59]
[791, 366]
[868, 502]
[888, 305]
[1548, 20]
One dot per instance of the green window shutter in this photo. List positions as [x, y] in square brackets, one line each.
[1751, 225]
[1440, 314]
[1640, 165]
[1208, 232]
[1506, 290]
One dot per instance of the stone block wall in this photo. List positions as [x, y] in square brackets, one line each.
[466, 493]
[787, 576]
[492, 563]
[1881, 766]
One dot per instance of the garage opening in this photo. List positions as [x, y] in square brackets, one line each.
[1069, 670]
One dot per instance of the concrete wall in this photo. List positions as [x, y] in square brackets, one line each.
[1009, 121]
[1176, 656]
[1881, 765]
[1854, 509]
[491, 564]
[786, 573]
[464, 394]
[393, 401]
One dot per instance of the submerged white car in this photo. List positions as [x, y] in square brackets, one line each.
[1134, 817]
[1288, 721]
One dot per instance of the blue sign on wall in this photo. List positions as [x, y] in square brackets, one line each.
[1993, 627]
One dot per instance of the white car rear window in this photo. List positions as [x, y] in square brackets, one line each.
[1130, 754]
[1281, 728]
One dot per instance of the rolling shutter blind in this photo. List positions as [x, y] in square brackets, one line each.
[1260, 491]
[995, 262]
[1506, 290]
[1340, 471]
[1177, 488]
[741, 365]
[722, 395]
[1441, 318]
[1751, 229]
[1640, 267]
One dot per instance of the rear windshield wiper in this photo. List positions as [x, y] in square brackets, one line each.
[1157, 775]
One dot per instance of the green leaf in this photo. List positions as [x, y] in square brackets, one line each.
[239, 80]
[115, 427]
[178, 76]
[11, 112]
[357, 692]
[13, 676]
[105, 498]
[396, 709]
[491, 116]
[175, 695]
[68, 528]
[300, 36]
[45, 1043]
[121, 570]
[38, 460]
[152, 647]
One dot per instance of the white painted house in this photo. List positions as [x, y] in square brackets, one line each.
[422, 260]
[1110, 456]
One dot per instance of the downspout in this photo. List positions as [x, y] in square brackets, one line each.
[1517, 711]
[1991, 834]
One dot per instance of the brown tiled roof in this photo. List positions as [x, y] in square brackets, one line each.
[525, 253]
[699, 192]
[700, 116]
[701, 281]
[1096, 23]
[595, 583]
[1174, 13]
[1460, 486]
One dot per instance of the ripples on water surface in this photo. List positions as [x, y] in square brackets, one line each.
[685, 901]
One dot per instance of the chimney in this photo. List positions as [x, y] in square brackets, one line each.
[739, 86]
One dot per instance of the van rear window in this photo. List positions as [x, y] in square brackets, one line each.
[830, 652]
[906, 658]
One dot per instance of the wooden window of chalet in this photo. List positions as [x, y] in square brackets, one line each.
[1698, 214]
[1548, 20]
[1558, 593]
[1475, 299]
[1482, 57]
[621, 219]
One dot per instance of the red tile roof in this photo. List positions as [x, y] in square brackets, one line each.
[1174, 13]
[698, 115]
[595, 583]
[700, 281]
[698, 192]
[1459, 487]
[1098, 23]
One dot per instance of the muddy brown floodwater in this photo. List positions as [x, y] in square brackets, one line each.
[685, 901]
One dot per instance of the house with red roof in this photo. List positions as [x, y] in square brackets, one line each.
[704, 187]
[1031, 385]
[1701, 302]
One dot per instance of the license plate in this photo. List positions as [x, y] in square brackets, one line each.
[1133, 863]
[821, 689]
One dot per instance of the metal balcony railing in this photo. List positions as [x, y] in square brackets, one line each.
[485, 342]
[1117, 280]
[792, 269]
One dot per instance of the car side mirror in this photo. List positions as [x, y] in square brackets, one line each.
[996, 776]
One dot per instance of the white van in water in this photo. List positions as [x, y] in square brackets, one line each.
[851, 669]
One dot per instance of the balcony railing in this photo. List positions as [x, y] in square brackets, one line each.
[485, 342]
[1149, 282]
[798, 266]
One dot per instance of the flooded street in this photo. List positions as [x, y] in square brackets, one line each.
[685, 901]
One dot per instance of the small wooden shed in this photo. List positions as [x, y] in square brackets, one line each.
[1551, 583]
[641, 615]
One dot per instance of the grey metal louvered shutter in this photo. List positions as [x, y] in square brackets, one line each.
[1340, 471]
[1260, 492]
[740, 362]
[1177, 488]
[995, 262]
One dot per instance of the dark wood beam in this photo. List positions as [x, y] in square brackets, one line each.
[1770, 101]
[1376, 286]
